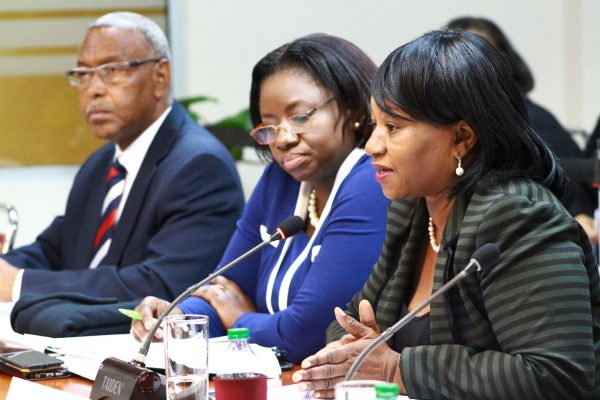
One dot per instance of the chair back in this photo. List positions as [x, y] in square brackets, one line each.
[9, 222]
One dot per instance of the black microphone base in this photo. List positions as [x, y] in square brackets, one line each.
[120, 380]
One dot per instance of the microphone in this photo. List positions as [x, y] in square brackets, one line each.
[484, 257]
[120, 380]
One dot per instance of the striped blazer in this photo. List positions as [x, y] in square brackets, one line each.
[526, 328]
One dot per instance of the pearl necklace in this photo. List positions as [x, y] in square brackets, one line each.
[313, 217]
[432, 240]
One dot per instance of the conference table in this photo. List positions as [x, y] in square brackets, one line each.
[82, 387]
[76, 385]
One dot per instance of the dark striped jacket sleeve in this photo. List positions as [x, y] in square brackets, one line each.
[536, 333]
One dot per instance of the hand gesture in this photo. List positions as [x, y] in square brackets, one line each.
[329, 366]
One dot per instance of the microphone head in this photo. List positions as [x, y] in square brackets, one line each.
[290, 226]
[487, 255]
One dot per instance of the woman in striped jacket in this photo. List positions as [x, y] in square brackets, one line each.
[453, 145]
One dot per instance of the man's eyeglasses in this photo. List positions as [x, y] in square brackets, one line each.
[265, 134]
[110, 73]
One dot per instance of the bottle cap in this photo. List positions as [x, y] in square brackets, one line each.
[386, 390]
[238, 333]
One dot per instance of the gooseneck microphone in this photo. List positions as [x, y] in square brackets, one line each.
[120, 380]
[484, 257]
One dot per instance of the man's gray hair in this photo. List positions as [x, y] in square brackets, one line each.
[153, 34]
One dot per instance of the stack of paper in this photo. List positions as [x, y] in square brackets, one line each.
[83, 355]
[20, 389]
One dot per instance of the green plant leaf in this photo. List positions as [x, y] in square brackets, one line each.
[241, 120]
[188, 101]
[238, 122]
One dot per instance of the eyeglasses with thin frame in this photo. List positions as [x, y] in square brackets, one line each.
[110, 73]
[266, 134]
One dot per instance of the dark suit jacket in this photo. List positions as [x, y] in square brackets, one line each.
[525, 328]
[175, 225]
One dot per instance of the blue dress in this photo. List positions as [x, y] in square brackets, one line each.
[296, 284]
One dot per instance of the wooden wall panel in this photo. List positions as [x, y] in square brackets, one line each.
[40, 121]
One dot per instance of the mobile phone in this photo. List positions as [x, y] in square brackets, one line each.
[53, 373]
[30, 361]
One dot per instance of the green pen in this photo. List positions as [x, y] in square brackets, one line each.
[131, 314]
[138, 317]
[134, 314]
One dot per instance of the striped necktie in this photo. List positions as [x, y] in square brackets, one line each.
[115, 181]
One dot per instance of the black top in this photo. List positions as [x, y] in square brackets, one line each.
[415, 333]
[551, 131]
[579, 198]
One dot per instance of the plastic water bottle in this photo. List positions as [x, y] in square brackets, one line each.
[241, 379]
[241, 359]
[386, 391]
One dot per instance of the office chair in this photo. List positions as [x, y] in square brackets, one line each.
[9, 222]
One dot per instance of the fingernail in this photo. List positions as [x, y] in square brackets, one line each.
[303, 387]
[296, 377]
[305, 364]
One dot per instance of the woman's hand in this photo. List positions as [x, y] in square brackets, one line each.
[329, 366]
[150, 308]
[227, 299]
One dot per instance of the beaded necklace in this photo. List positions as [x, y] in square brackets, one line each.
[313, 217]
[432, 240]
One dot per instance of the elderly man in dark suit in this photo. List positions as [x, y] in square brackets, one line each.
[150, 212]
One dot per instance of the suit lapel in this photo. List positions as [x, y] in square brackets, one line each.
[160, 147]
[442, 328]
[410, 237]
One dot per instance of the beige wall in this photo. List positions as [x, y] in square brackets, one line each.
[219, 42]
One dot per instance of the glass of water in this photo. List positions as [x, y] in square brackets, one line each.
[186, 356]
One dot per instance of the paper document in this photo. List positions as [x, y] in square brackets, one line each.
[83, 355]
[6, 332]
[21, 389]
[289, 392]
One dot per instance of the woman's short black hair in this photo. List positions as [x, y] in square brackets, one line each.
[447, 76]
[494, 34]
[335, 64]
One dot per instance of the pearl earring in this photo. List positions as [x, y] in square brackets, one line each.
[356, 126]
[459, 171]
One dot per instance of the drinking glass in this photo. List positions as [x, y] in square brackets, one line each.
[186, 356]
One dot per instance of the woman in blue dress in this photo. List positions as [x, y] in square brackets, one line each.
[309, 101]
